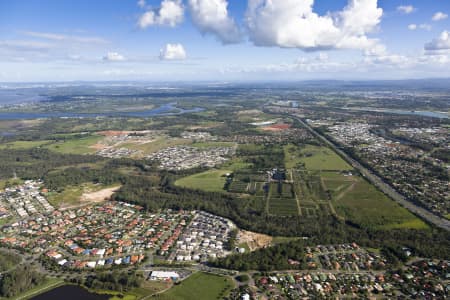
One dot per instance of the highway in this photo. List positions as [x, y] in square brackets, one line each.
[384, 187]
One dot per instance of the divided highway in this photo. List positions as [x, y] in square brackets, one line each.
[378, 182]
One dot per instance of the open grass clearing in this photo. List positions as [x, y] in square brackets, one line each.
[314, 158]
[200, 286]
[9, 182]
[21, 145]
[82, 145]
[366, 206]
[209, 181]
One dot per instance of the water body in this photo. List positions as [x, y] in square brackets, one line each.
[432, 114]
[70, 292]
[163, 110]
[14, 97]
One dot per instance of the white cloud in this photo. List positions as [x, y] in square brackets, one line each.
[211, 17]
[440, 43]
[294, 24]
[423, 26]
[113, 56]
[24, 45]
[65, 38]
[412, 26]
[439, 16]
[170, 14]
[141, 3]
[406, 9]
[173, 52]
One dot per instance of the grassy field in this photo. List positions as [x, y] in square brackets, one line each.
[314, 158]
[200, 286]
[210, 181]
[20, 145]
[336, 182]
[9, 182]
[236, 164]
[363, 204]
[76, 146]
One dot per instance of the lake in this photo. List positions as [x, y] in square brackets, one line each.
[70, 292]
[163, 110]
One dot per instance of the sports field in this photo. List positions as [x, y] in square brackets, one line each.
[210, 181]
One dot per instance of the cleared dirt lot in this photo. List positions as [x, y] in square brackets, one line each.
[99, 196]
[254, 240]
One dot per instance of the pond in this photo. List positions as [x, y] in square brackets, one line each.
[70, 292]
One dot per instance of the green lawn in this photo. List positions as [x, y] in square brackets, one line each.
[200, 286]
[314, 158]
[363, 204]
[210, 181]
[76, 146]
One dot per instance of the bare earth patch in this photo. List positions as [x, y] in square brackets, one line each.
[99, 196]
[254, 240]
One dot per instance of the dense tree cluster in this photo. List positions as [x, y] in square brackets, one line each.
[267, 259]
[8, 260]
[115, 281]
[37, 162]
[20, 280]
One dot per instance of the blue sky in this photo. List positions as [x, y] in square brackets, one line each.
[165, 40]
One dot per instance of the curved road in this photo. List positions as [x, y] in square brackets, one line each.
[378, 182]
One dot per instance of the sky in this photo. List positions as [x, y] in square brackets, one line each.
[223, 40]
